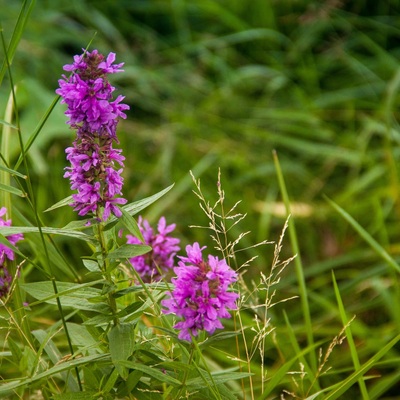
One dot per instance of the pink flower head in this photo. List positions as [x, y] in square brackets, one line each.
[161, 259]
[201, 295]
[92, 111]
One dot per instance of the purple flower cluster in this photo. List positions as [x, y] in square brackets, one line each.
[6, 254]
[96, 167]
[201, 294]
[159, 261]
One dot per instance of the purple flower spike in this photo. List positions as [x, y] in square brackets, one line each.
[157, 263]
[6, 254]
[92, 111]
[201, 295]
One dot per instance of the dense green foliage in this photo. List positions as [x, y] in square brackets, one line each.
[223, 84]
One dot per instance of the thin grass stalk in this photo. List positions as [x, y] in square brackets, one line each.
[350, 340]
[298, 264]
[105, 269]
[226, 254]
[248, 358]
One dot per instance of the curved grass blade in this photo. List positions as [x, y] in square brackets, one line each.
[23, 17]
[350, 340]
[365, 235]
[298, 265]
[64, 202]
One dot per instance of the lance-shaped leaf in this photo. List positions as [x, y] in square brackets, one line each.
[122, 341]
[128, 251]
[10, 230]
[70, 294]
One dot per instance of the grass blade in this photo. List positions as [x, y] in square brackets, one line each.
[298, 264]
[350, 340]
[365, 235]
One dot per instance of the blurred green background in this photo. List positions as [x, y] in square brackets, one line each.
[221, 84]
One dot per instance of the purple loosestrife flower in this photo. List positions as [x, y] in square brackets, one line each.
[6, 254]
[201, 295]
[159, 261]
[96, 167]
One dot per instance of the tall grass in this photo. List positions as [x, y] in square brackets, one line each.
[226, 84]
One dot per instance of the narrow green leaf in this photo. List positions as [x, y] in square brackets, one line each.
[2, 122]
[122, 342]
[91, 265]
[52, 351]
[218, 378]
[64, 202]
[17, 34]
[130, 383]
[222, 336]
[365, 235]
[70, 294]
[130, 309]
[81, 337]
[131, 209]
[5, 180]
[152, 372]
[128, 251]
[111, 381]
[298, 264]
[10, 230]
[137, 206]
[139, 288]
[3, 240]
[12, 172]
[131, 224]
[350, 340]
[99, 320]
[15, 350]
[12, 190]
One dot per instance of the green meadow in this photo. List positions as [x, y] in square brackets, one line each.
[265, 130]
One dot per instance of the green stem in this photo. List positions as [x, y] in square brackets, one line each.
[104, 267]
